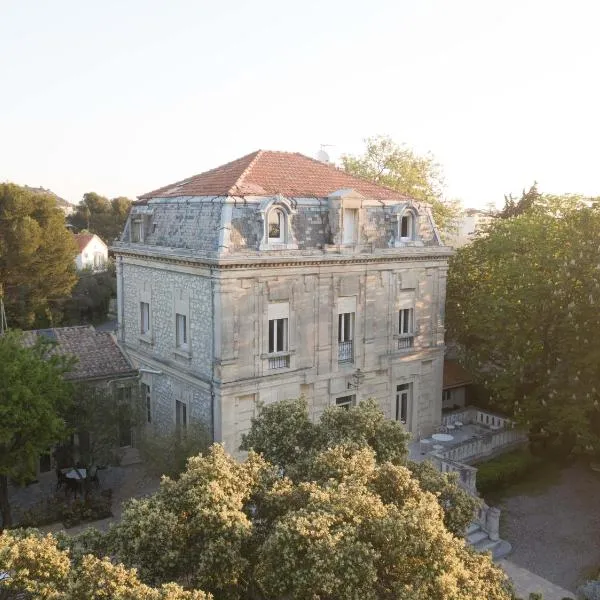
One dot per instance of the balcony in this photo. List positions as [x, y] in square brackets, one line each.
[279, 362]
[346, 352]
[406, 342]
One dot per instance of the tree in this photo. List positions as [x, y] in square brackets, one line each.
[245, 530]
[34, 398]
[284, 434]
[38, 566]
[37, 254]
[398, 167]
[97, 214]
[522, 305]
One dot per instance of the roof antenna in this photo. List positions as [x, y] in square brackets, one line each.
[322, 156]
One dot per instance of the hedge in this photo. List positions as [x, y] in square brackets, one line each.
[505, 470]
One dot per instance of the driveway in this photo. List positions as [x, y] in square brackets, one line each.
[553, 524]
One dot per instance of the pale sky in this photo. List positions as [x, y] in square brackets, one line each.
[123, 97]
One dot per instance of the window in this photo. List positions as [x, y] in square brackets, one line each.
[405, 328]
[136, 230]
[145, 318]
[147, 396]
[276, 226]
[180, 414]
[346, 337]
[98, 260]
[406, 226]
[278, 335]
[345, 402]
[124, 416]
[446, 396]
[181, 337]
[402, 402]
[350, 225]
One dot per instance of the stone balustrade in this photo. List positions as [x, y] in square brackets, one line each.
[472, 414]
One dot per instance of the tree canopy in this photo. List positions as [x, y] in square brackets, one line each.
[34, 398]
[398, 167]
[522, 305]
[339, 524]
[97, 214]
[37, 254]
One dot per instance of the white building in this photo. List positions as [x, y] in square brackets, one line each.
[276, 276]
[468, 225]
[93, 252]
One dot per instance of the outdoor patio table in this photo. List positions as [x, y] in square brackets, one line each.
[437, 447]
[424, 445]
[458, 424]
[76, 474]
[442, 437]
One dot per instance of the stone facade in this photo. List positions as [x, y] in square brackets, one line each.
[210, 259]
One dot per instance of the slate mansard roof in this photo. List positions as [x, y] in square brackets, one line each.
[97, 353]
[223, 211]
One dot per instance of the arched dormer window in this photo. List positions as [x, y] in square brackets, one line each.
[407, 226]
[277, 214]
[276, 226]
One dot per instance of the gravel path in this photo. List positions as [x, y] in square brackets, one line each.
[555, 529]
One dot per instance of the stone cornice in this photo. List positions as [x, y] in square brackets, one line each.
[272, 261]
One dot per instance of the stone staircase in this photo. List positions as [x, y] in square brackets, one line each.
[481, 542]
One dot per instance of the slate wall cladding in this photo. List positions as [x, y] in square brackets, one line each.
[310, 225]
[163, 285]
[179, 225]
[379, 227]
[246, 227]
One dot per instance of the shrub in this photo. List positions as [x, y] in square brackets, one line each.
[504, 470]
[590, 590]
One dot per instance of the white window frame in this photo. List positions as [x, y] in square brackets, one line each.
[145, 320]
[402, 388]
[278, 335]
[349, 234]
[406, 322]
[181, 331]
[282, 225]
[346, 326]
[137, 230]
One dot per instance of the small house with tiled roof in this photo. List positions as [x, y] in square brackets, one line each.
[455, 387]
[93, 252]
[277, 276]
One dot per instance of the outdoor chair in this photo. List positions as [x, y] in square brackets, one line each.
[93, 476]
[61, 480]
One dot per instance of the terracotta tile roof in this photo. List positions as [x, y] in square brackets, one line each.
[455, 375]
[98, 355]
[265, 173]
[83, 239]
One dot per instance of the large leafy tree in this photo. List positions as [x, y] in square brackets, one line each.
[522, 305]
[34, 398]
[97, 214]
[285, 435]
[401, 168]
[354, 528]
[37, 254]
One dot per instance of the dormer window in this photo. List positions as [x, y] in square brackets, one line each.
[407, 227]
[276, 226]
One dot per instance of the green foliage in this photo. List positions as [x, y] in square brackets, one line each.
[400, 168]
[168, 453]
[37, 254]
[506, 469]
[40, 568]
[106, 218]
[284, 434]
[90, 297]
[522, 304]
[34, 398]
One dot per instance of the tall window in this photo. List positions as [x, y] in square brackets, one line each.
[276, 225]
[147, 396]
[124, 416]
[144, 317]
[278, 335]
[346, 337]
[180, 414]
[136, 231]
[402, 402]
[350, 225]
[181, 334]
[405, 321]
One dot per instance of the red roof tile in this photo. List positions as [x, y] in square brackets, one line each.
[265, 173]
[83, 239]
[455, 375]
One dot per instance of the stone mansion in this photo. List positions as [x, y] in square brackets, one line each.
[277, 276]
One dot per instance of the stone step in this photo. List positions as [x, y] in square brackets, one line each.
[476, 537]
[498, 548]
[472, 528]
